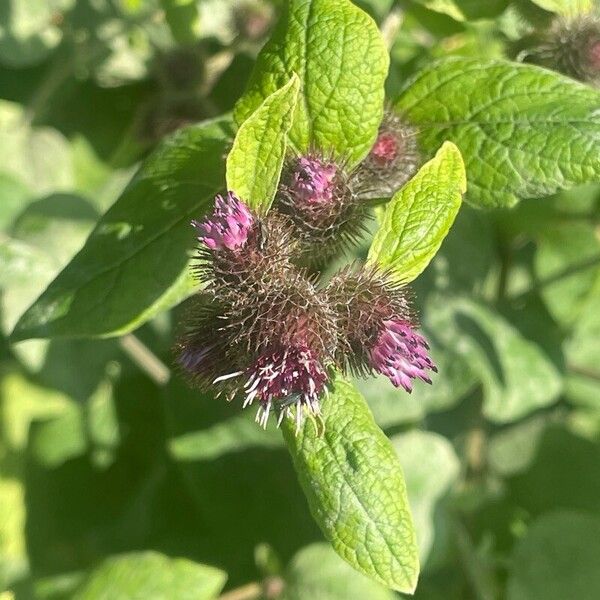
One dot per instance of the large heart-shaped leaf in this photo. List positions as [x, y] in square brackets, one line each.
[135, 262]
[523, 131]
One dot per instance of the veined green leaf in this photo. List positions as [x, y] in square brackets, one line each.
[430, 468]
[523, 131]
[557, 558]
[135, 262]
[340, 58]
[518, 377]
[355, 489]
[256, 158]
[420, 215]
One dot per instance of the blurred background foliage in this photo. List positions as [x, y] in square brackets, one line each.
[118, 481]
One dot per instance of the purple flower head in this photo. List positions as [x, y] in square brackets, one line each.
[228, 227]
[313, 180]
[294, 376]
[401, 354]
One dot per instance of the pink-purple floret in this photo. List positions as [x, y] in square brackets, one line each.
[228, 227]
[313, 180]
[401, 354]
[283, 372]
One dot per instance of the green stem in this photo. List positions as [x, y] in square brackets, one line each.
[145, 359]
[250, 591]
[584, 371]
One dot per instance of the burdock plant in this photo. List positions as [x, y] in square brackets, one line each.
[274, 321]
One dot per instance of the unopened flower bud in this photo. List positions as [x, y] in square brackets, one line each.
[392, 161]
[571, 47]
[377, 328]
[325, 212]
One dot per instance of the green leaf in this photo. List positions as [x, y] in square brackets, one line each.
[472, 10]
[567, 265]
[517, 375]
[135, 262]
[557, 559]
[27, 31]
[430, 468]
[567, 8]
[235, 434]
[151, 575]
[446, 7]
[256, 158]
[355, 489]
[419, 216]
[23, 402]
[582, 349]
[563, 474]
[523, 131]
[13, 549]
[513, 449]
[318, 573]
[45, 237]
[339, 56]
[91, 427]
[14, 196]
[183, 18]
[39, 157]
[218, 447]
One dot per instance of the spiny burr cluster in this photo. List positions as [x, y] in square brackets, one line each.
[264, 328]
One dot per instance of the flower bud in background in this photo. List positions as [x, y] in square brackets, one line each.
[571, 47]
[377, 327]
[392, 161]
[326, 214]
[252, 19]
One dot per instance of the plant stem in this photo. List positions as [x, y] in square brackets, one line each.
[250, 591]
[391, 25]
[591, 374]
[145, 359]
